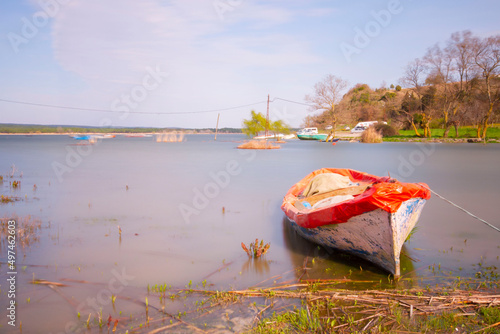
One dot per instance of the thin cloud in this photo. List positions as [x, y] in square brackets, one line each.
[320, 12]
[112, 42]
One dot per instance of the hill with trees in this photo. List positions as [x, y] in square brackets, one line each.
[452, 85]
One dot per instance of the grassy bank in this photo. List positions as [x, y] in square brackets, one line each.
[385, 311]
[320, 306]
[463, 133]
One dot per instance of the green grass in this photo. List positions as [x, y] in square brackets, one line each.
[444, 322]
[463, 132]
[297, 321]
[491, 315]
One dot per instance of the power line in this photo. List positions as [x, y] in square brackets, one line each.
[147, 112]
[279, 98]
[131, 112]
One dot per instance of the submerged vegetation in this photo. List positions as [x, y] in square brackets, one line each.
[27, 230]
[9, 199]
[13, 185]
[255, 249]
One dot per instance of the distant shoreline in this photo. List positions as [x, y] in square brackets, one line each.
[343, 137]
[108, 133]
[36, 129]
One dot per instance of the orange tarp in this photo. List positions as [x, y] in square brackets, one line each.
[386, 194]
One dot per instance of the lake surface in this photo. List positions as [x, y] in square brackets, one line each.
[184, 209]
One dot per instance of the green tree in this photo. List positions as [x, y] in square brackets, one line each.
[257, 123]
[280, 127]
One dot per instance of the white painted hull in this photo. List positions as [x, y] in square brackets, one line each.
[264, 137]
[376, 236]
[275, 136]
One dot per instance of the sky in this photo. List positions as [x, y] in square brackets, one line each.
[176, 63]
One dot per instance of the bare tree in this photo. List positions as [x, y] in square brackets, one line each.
[413, 79]
[460, 50]
[327, 94]
[486, 53]
[441, 65]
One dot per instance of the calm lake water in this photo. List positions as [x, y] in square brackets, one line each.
[184, 209]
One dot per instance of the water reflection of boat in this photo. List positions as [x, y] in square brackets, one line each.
[333, 264]
[358, 213]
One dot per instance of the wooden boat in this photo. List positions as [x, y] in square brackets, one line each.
[315, 136]
[311, 134]
[334, 140]
[355, 212]
[81, 137]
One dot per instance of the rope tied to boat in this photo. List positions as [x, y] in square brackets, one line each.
[464, 210]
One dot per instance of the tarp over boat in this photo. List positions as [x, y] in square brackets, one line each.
[384, 193]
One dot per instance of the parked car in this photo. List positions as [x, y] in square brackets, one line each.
[362, 126]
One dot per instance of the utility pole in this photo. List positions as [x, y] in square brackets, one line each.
[267, 116]
[217, 126]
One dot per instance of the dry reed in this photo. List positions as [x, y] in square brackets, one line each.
[371, 135]
[258, 145]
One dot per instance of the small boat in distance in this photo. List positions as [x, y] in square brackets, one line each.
[104, 136]
[333, 140]
[358, 213]
[81, 137]
[138, 135]
[278, 136]
[311, 134]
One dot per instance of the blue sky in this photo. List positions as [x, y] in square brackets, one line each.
[155, 62]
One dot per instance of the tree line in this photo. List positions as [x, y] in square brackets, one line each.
[453, 84]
